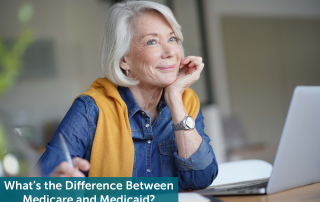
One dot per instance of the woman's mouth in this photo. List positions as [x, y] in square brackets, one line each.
[167, 68]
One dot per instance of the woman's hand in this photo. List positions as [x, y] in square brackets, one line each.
[190, 69]
[188, 141]
[65, 170]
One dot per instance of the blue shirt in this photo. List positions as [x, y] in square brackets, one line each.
[156, 151]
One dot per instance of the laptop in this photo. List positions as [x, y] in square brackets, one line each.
[297, 162]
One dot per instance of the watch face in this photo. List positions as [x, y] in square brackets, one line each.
[190, 122]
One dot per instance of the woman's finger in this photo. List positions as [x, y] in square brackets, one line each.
[190, 61]
[191, 68]
[191, 64]
[77, 173]
[65, 170]
[194, 74]
[194, 63]
[80, 163]
[199, 65]
[64, 167]
[187, 60]
[190, 58]
[59, 171]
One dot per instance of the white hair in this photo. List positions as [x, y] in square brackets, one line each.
[118, 34]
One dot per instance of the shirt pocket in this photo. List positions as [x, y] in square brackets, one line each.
[168, 165]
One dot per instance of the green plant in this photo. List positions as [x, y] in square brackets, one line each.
[11, 63]
[11, 57]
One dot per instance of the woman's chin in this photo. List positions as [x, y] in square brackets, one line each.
[168, 81]
[161, 81]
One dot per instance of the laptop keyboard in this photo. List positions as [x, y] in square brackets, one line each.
[244, 187]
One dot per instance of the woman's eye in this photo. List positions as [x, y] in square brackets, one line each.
[151, 42]
[173, 39]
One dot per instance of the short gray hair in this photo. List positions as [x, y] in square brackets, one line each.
[118, 35]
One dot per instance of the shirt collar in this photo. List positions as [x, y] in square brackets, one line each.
[131, 103]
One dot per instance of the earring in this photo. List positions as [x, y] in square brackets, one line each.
[127, 72]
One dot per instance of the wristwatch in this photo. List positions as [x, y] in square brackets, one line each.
[187, 123]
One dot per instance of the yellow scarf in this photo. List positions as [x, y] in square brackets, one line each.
[112, 152]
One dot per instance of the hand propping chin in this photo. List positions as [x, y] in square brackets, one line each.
[190, 70]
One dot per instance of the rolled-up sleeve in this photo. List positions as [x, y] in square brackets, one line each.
[198, 161]
[201, 168]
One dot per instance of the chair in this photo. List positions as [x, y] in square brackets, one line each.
[245, 170]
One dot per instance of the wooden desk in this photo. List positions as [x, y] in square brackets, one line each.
[301, 194]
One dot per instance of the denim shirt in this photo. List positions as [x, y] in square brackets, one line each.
[156, 151]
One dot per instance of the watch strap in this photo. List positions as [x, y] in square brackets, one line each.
[178, 126]
[181, 125]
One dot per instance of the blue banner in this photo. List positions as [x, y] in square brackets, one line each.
[93, 189]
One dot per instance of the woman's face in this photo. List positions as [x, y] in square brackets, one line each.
[155, 55]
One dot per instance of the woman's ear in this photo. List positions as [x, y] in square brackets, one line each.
[124, 64]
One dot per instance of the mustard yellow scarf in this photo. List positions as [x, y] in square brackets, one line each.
[112, 152]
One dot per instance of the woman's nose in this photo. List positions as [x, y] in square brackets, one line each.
[167, 52]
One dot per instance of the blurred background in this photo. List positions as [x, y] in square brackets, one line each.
[255, 52]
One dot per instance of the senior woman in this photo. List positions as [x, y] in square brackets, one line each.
[141, 120]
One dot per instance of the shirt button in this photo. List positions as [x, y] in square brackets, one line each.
[148, 170]
[147, 125]
[142, 113]
[149, 141]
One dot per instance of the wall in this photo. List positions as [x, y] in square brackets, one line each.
[266, 59]
[75, 27]
[224, 18]
[215, 9]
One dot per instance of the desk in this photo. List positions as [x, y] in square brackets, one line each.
[300, 194]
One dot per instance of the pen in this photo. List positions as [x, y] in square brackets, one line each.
[65, 150]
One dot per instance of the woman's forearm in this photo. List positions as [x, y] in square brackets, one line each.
[188, 141]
